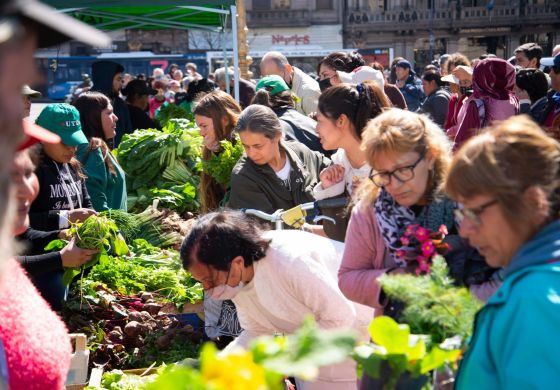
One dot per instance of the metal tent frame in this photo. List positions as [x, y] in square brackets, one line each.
[148, 14]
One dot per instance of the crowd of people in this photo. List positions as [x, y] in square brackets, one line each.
[472, 145]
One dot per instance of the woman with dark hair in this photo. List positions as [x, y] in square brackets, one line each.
[215, 115]
[343, 113]
[276, 279]
[273, 174]
[340, 60]
[105, 178]
[437, 100]
[138, 97]
[273, 92]
[531, 88]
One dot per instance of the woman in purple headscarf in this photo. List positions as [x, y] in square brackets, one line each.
[493, 99]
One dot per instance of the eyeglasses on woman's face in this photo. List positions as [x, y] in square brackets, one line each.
[472, 214]
[402, 174]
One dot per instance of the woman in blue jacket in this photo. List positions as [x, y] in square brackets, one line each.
[508, 181]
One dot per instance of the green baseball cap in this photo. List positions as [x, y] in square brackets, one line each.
[273, 83]
[64, 120]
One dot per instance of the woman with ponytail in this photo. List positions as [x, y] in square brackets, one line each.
[343, 113]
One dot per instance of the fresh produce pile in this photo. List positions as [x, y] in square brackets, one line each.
[129, 331]
[162, 165]
[126, 325]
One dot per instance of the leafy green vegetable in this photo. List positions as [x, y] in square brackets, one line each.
[162, 165]
[147, 225]
[433, 305]
[169, 111]
[397, 352]
[161, 272]
[220, 164]
[96, 232]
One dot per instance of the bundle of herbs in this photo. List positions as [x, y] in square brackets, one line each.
[220, 165]
[96, 232]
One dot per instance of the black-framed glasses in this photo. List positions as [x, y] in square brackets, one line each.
[402, 174]
[473, 214]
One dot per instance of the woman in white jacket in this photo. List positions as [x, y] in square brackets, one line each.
[276, 279]
[343, 113]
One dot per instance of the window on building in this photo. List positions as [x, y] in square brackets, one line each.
[261, 5]
[282, 4]
[324, 4]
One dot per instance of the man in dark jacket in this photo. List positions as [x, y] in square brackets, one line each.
[409, 85]
[107, 79]
[437, 102]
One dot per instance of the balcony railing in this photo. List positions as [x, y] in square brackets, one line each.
[278, 18]
[412, 19]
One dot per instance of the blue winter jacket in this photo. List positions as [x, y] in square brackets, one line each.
[516, 337]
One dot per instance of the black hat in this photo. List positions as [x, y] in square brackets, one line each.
[138, 87]
[53, 27]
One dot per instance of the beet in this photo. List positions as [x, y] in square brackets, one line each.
[133, 329]
[163, 342]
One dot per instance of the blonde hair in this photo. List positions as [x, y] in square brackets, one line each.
[399, 131]
[503, 162]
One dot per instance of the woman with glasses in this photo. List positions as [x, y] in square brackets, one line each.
[409, 156]
[508, 182]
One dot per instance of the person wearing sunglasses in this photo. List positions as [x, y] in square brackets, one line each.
[409, 156]
[508, 183]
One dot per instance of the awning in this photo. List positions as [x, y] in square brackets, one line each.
[109, 15]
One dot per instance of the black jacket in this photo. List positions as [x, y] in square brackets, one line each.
[298, 127]
[102, 73]
[55, 186]
[140, 119]
[33, 257]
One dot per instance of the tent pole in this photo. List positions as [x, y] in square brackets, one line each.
[235, 51]
[226, 70]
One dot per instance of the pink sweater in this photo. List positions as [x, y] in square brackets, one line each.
[365, 259]
[35, 340]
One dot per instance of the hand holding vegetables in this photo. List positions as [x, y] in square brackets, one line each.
[80, 215]
[74, 256]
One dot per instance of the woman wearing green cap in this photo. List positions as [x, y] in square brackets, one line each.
[105, 178]
[273, 92]
[63, 196]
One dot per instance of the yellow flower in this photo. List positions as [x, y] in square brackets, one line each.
[235, 371]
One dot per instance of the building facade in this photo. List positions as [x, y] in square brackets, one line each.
[421, 30]
[304, 30]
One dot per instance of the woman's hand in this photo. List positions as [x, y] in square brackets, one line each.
[73, 256]
[80, 215]
[331, 175]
